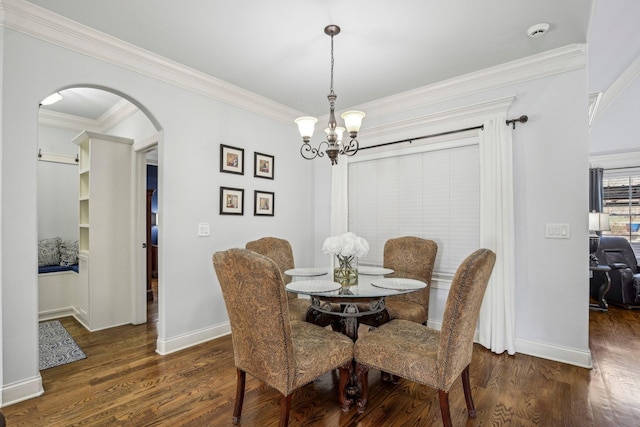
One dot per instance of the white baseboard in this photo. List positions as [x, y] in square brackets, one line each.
[172, 345]
[56, 314]
[22, 390]
[571, 356]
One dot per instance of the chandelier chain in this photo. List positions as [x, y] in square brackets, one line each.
[331, 87]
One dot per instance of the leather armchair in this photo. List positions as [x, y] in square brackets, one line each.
[616, 252]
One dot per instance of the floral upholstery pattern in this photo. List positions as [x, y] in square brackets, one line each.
[282, 353]
[418, 353]
[68, 252]
[279, 250]
[412, 258]
[49, 251]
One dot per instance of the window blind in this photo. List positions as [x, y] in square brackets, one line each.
[430, 194]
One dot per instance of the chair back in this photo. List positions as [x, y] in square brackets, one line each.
[256, 302]
[616, 250]
[461, 315]
[412, 258]
[279, 250]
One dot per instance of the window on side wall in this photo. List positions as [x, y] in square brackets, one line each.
[622, 203]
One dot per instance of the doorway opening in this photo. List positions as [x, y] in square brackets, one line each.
[101, 111]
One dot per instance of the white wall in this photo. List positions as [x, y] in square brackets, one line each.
[194, 126]
[614, 129]
[57, 186]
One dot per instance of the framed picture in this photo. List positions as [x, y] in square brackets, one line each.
[231, 159]
[231, 201]
[263, 203]
[263, 165]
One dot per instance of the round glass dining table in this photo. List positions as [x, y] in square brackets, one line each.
[346, 307]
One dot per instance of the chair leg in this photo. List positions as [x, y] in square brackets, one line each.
[363, 381]
[444, 408]
[237, 410]
[285, 408]
[467, 392]
[346, 371]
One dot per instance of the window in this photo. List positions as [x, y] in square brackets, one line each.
[432, 194]
[622, 203]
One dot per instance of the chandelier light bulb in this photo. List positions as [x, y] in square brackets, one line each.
[339, 132]
[353, 120]
[306, 126]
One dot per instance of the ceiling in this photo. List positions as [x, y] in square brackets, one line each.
[278, 49]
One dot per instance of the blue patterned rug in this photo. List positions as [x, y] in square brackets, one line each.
[57, 347]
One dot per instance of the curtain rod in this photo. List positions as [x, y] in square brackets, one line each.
[521, 119]
[621, 168]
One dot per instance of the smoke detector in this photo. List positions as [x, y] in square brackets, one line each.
[537, 30]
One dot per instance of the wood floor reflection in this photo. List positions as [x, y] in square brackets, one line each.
[123, 382]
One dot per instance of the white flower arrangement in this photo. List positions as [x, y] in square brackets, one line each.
[346, 245]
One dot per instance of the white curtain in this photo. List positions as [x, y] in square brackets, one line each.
[339, 197]
[497, 319]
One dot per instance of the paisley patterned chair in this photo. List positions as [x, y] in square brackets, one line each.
[413, 258]
[433, 358]
[279, 250]
[283, 354]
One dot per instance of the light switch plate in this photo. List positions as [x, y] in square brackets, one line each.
[557, 231]
[203, 229]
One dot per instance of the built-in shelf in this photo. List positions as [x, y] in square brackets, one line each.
[103, 294]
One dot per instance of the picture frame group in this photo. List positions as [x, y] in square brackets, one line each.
[231, 198]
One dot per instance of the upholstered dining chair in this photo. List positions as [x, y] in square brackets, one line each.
[282, 353]
[433, 358]
[279, 250]
[412, 258]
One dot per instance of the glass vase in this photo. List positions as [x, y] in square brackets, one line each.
[345, 270]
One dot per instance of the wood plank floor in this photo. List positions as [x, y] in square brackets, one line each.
[123, 382]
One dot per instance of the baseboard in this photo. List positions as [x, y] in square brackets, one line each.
[181, 342]
[22, 390]
[56, 314]
[571, 356]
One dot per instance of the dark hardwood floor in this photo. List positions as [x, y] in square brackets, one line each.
[123, 382]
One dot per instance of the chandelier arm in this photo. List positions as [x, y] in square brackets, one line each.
[310, 153]
[350, 148]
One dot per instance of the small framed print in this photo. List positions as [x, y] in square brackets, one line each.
[231, 201]
[263, 203]
[231, 159]
[263, 165]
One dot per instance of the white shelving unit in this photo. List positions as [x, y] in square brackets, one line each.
[103, 297]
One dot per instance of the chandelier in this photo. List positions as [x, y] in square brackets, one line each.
[334, 143]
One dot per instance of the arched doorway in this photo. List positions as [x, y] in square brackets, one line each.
[105, 111]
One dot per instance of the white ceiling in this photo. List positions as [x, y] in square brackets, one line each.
[278, 48]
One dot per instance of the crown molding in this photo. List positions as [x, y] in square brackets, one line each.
[617, 87]
[67, 121]
[115, 115]
[594, 104]
[467, 116]
[533, 67]
[40, 23]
